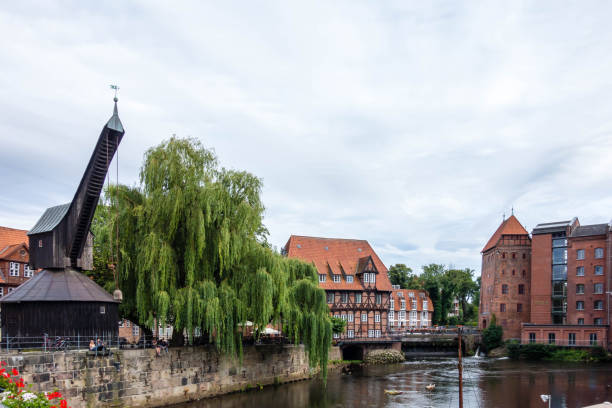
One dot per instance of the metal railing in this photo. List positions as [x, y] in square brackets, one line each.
[65, 343]
[565, 342]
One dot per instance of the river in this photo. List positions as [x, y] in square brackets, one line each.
[487, 383]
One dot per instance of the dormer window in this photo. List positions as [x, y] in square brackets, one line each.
[336, 278]
[322, 278]
[349, 279]
[400, 294]
[402, 304]
[369, 277]
[27, 271]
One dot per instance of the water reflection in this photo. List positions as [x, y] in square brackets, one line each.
[487, 383]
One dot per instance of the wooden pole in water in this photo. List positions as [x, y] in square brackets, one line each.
[460, 367]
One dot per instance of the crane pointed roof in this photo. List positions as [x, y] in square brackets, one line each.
[510, 226]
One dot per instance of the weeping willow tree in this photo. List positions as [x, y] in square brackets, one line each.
[192, 253]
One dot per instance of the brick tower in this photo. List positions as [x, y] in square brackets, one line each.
[506, 273]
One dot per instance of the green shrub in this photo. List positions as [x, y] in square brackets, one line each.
[492, 336]
[514, 349]
[537, 351]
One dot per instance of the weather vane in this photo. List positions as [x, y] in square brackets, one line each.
[116, 88]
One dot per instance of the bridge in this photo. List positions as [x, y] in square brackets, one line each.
[418, 342]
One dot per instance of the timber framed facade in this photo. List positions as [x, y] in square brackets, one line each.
[356, 282]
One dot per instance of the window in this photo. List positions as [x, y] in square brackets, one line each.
[135, 330]
[571, 339]
[524, 273]
[593, 339]
[580, 305]
[519, 307]
[504, 289]
[551, 338]
[598, 321]
[514, 255]
[598, 253]
[322, 278]
[1, 291]
[402, 304]
[128, 323]
[330, 297]
[392, 302]
[10, 290]
[524, 256]
[503, 255]
[336, 278]
[402, 315]
[376, 317]
[364, 317]
[521, 289]
[344, 297]
[27, 271]
[40, 243]
[559, 256]
[598, 270]
[425, 305]
[378, 298]
[532, 338]
[343, 317]
[598, 305]
[580, 271]
[372, 278]
[349, 279]
[336, 335]
[598, 288]
[391, 316]
[580, 254]
[414, 305]
[13, 269]
[502, 307]
[581, 321]
[102, 309]
[556, 243]
[357, 297]
[366, 277]
[121, 323]
[580, 289]
[350, 316]
[370, 333]
[513, 272]
[559, 272]
[377, 333]
[350, 333]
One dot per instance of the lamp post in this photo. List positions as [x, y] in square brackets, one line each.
[545, 398]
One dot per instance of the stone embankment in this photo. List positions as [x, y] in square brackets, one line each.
[137, 378]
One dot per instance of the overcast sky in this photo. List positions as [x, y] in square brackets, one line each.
[414, 125]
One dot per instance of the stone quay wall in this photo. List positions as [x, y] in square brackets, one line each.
[137, 378]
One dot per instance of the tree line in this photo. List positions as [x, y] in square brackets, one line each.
[443, 286]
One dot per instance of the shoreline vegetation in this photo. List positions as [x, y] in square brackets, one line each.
[549, 352]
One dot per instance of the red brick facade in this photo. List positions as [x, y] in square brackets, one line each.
[409, 309]
[568, 268]
[14, 258]
[355, 279]
[505, 276]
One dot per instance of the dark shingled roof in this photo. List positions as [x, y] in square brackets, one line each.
[50, 218]
[65, 285]
[588, 230]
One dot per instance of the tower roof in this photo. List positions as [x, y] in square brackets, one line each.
[510, 226]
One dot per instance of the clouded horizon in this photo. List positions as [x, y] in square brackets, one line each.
[414, 125]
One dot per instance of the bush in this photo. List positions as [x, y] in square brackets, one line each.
[388, 356]
[537, 351]
[492, 336]
[338, 325]
[514, 349]
[14, 394]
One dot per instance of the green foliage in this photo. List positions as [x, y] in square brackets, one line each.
[492, 335]
[514, 349]
[338, 325]
[403, 276]
[193, 253]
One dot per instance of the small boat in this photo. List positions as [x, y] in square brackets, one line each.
[430, 387]
[393, 392]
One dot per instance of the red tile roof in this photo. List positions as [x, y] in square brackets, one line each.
[335, 256]
[11, 236]
[510, 226]
[406, 296]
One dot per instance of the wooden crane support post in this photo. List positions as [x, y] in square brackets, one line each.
[460, 367]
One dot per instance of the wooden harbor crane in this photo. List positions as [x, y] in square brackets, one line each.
[60, 300]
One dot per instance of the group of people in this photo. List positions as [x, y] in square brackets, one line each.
[159, 346]
[96, 346]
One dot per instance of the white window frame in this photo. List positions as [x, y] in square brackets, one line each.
[402, 316]
[358, 298]
[349, 279]
[135, 330]
[322, 278]
[600, 302]
[364, 317]
[344, 297]
[371, 333]
[27, 272]
[336, 278]
[377, 333]
[580, 271]
[121, 324]
[414, 305]
[596, 286]
[343, 317]
[14, 269]
[580, 302]
[1, 291]
[366, 278]
[330, 296]
[425, 305]
[392, 303]
[350, 333]
[599, 253]
[128, 323]
[391, 316]
[376, 317]
[350, 316]
[598, 270]
[580, 254]
[402, 304]
[336, 335]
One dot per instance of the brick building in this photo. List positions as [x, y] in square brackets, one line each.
[14, 258]
[409, 309]
[567, 266]
[505, 278]
[355, 279]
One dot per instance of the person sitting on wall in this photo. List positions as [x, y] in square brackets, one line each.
[157, 348]
[164, 345]
[100, 346]
[92, 345]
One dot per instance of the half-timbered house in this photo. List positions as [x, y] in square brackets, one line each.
[355, 280]
[14, 258]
